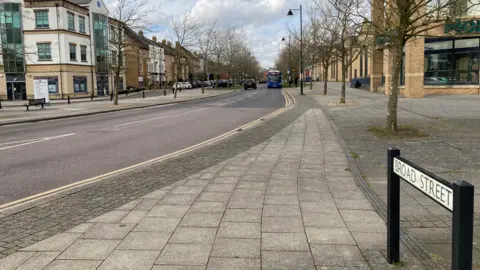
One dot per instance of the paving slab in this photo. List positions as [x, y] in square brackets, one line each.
[285, 241]
[73, 265]
[89, 249]
[236, 248]
[283, 260]
[144, 241]
[193, 235]
[38, 261]
[57, 242]
[239, 230]
[184, 254]
[233, 264]
[129, 259]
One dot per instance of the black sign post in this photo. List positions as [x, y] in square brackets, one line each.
[456, 197]
[462, 225]
[393, 210]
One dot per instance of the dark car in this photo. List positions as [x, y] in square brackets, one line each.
[249, 84]
[223, 83]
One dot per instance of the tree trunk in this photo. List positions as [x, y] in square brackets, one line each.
[344, 83]
[176, 75]
[203, 79]
[115, 87]
[394, 90]
[311, 79]
[325, 80]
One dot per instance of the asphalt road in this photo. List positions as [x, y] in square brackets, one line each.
[41, 156]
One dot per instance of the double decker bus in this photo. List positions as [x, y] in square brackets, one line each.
[274, 79]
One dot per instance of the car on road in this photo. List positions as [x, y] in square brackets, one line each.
[187, 85]
[250, 84]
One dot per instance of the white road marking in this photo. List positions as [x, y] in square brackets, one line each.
[178, 114]
[22, 141]
[38, 140]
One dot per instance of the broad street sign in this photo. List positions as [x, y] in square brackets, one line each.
[426, 184]
[457, 197]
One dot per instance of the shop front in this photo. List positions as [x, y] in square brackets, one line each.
[446, 60]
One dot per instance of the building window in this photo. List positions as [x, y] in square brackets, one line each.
[114, 58]
[11, 37]
[52, 83]
[451, 61]
[100, 34]
[83, 53]
[73, 52]
[361, 65]
[44, 51]
[141, 66]
[41, 19]
[79, 84]
[81, 24]
[366, 64]
[71, 21]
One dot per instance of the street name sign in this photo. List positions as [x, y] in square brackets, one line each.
[457, 197]
[432, 187]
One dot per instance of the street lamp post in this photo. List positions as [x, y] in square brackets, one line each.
[290, 13]
[289, 62]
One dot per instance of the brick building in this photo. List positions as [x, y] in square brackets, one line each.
[444, 60]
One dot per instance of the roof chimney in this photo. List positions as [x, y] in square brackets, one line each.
[164, 41]
[140, 33]
[154, 38]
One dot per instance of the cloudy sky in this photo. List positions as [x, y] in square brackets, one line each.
[264, 21]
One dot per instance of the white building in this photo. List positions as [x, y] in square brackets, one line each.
[58, 47]
[156, 62]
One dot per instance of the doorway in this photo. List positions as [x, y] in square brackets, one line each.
[102, 85]
[16, 91]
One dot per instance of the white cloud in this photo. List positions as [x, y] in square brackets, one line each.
[263, 20]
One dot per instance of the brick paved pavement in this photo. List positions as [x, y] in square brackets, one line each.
[30, 226]
[451, 151]
[287, 203]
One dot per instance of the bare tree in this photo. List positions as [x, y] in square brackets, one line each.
[218, 48]
[351, 43]
[393, 23]
[129, 14]
[185, 31]
[205, 44]
[234, 44]
[326, 39]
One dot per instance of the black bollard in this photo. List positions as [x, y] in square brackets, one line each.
[0, 103]
[164, 92]
[111, 97]
[143, 93]
[91, 97]
[68, 99]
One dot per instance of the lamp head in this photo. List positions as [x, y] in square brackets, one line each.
[290, 13]
[283, 39]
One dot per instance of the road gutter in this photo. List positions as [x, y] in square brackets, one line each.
[37, 199]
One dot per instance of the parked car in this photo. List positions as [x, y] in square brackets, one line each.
[177, 86]
[196, 84]
[250, 84]
[222, 83]
[187, 85]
